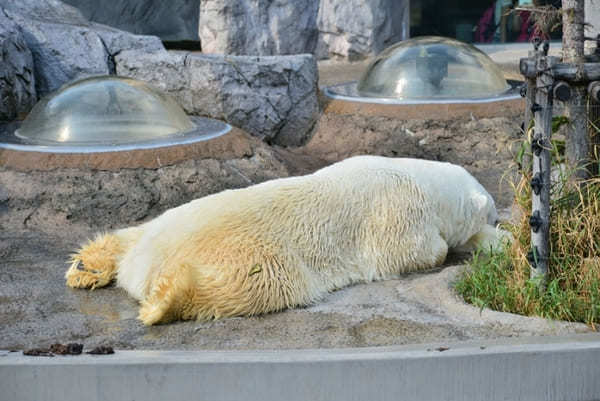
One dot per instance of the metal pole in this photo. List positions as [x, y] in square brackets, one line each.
[528, 92]
[594, 125]
[540, 182]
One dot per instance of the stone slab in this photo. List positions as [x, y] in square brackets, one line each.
[562, 369]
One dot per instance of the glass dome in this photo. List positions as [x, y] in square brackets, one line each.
[432, 67]
[108, 113]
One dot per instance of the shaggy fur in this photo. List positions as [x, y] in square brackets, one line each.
[288, 242]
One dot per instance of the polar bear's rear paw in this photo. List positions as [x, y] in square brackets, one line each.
[152, 313]
[94, 266]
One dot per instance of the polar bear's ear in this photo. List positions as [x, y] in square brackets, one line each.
[483, 205]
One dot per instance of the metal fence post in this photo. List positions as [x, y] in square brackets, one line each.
[541, 160]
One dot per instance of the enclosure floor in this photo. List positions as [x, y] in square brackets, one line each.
[37, 309]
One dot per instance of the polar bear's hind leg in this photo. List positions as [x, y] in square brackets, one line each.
[171, 292]
[187, 290]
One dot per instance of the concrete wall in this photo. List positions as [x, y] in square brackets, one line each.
[564, 370]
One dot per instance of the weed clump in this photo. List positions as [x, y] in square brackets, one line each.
[500, 280]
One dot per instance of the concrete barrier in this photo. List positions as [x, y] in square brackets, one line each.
[526, 369]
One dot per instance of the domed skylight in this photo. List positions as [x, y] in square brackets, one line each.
[432, 68]
[110, 113]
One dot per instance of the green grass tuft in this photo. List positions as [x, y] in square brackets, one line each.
[500, 280]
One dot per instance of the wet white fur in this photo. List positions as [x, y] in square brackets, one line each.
[290, 241]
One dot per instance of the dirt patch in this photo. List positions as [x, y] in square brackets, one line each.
[485, 147]
[385, 331]
[99, 199]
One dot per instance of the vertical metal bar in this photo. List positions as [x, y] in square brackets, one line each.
[540, 220]
[594, 125]
[529, 101]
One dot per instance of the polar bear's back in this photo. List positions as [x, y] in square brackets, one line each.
[410, 192]
[363, 218]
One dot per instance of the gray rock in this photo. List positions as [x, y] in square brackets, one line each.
[356, 29]
[170, 20]
[17, 83]
[164, 70]
[45, 10]
[592, 19]
[352, 29]
[65, 46]
[258, 27]
[274, 98]
[116, 41]
[62, 52]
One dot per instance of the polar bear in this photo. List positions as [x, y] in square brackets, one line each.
[288, 242]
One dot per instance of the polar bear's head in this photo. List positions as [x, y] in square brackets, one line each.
[492, 217]
[484, 205]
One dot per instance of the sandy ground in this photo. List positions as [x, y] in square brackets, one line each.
[45, 215]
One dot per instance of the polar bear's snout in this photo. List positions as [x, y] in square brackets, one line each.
[492, 218]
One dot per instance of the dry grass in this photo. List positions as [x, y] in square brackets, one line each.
[501, 280]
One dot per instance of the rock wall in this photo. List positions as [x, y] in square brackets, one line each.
[592, 18]
[356, 29]
[350, 29]
[47, 43]
[52, 200]
[172, 20]
[353, 29]
[17, 82]
[65, 45]
[258, 27]
[273, 98]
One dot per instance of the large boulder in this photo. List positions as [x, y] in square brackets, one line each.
[45, 10]
[65, 45]
[273, 98]
[356, 29]
[63, 53]
[258, 27]
[17, 83]
[116, 41]
[352, 29]
[592, 18]
[172, 20]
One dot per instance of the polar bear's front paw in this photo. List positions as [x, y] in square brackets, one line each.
[78, 276]
[94, 265]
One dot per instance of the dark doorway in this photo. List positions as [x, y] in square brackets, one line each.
[480, 21]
